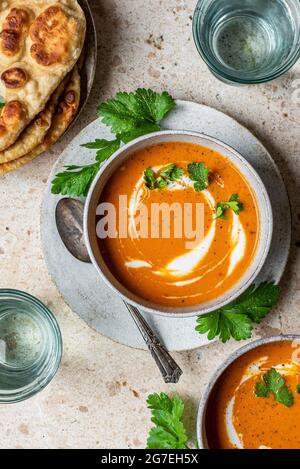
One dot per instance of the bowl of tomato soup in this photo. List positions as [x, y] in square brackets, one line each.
[178, 223]
[253, 399]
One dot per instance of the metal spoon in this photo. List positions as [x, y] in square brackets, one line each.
[69, 222]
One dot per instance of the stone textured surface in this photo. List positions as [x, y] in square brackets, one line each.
[98, 397]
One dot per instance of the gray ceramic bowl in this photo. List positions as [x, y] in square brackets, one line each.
[201, 431]
[244, 167]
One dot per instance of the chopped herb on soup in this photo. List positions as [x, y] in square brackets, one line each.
[170, 249]
[273, 383]
[233, 203]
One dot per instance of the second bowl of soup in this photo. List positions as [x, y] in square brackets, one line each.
[178, 223]
[253, 399]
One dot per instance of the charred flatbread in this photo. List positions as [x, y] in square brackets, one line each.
[63, 117]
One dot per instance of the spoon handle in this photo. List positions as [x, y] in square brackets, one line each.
[168, 367]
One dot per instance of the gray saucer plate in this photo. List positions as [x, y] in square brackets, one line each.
[85, 292]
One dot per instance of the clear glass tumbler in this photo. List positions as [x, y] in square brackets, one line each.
[248, 41]
[30, 346]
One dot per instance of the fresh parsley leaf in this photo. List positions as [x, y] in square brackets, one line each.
[274, 383]
[120, 114]
[129, 111]
[167, 171]
[199, 173]
[160, 183]
[143, 129]
[232, 203]
[219, 211]
[176, 174]
[105, 148]
[285, 396]
[130, 115]
[169, 431]
[75, 181]
[171, 172]
[149, 178]
[261, 390]
[224, 324]
[298, 388]
[154, 106]
[273, 380]
[256, 302]
[235, 325]
[235, 319]
[98, 144]
[210, 323]
[2, 102]
[168, 174]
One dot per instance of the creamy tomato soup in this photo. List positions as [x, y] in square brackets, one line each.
[164, 270]
[237, 418]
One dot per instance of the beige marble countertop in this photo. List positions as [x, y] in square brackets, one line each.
[97, 400]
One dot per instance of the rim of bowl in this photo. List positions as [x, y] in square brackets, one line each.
[222, 74]
[194, 310]
[201, 437]
[35, 387]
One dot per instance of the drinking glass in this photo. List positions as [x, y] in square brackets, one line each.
[30, 346]
[248, 41]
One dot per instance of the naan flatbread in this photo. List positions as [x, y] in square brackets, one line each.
[63, 117]
[36, 131]
[40, 41]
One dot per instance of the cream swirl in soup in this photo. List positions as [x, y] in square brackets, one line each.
[174, 250]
